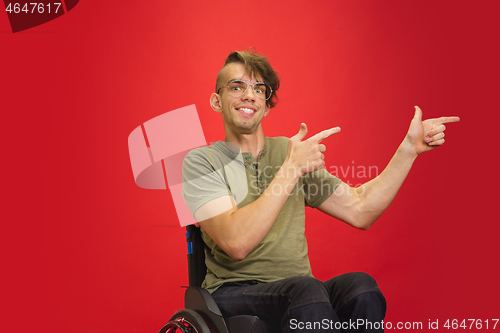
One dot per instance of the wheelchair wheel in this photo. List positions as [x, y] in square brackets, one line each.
[185, 321]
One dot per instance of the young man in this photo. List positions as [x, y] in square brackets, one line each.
[248, 195]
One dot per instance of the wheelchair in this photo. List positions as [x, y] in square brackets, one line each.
[201, 313]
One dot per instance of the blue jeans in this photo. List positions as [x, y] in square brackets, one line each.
[347, 303]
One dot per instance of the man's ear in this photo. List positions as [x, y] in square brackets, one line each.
[266, 112]
[215, 102]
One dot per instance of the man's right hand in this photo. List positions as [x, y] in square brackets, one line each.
[239, 230]
[307, 156]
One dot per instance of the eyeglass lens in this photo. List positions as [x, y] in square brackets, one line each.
[238, 88]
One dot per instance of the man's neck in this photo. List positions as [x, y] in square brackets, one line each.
[248, 143]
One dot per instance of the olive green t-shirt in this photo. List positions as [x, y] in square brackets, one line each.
[215, 171]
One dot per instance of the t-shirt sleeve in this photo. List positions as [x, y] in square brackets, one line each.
[201, 182]
[318, 186]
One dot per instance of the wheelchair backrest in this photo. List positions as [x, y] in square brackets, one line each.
[196, 256]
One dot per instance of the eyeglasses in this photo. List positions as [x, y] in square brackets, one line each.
[237, 88]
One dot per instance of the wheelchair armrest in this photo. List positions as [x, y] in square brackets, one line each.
[200, 300]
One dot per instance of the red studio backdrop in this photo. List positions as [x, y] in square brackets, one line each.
[86, 250]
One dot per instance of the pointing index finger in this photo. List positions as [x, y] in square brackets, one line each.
[444, 120]
[324, 134]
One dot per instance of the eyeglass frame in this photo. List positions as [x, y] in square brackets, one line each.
[248, 84]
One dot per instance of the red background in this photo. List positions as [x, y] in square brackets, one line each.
[86, 250]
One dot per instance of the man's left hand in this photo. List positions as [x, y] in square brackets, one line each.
[428, 134]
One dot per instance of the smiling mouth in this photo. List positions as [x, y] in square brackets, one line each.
[245, 110]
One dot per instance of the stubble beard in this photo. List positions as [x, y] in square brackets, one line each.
[245, 127]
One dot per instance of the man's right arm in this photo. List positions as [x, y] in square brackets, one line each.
[238, 231]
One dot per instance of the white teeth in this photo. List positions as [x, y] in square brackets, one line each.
[246, 110]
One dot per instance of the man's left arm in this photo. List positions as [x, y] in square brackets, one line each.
[362, 206]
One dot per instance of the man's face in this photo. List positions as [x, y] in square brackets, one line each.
[243, 114]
